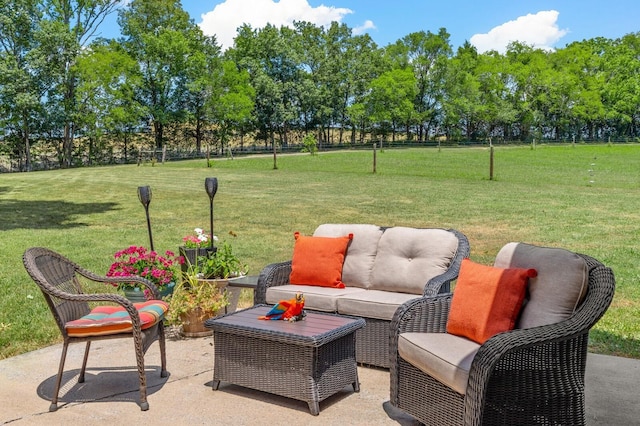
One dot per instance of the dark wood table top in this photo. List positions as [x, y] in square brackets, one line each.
[247, 281]
[314, 330]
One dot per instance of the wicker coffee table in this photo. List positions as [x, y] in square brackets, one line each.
[307, 360]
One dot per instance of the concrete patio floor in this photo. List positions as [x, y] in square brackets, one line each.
[109, 394]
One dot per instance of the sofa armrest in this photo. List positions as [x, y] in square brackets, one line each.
[442, 282]
[271, 275]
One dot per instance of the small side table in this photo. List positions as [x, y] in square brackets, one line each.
[246, 281]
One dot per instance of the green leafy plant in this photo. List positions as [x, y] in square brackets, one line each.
[223, 263]
[310, 144]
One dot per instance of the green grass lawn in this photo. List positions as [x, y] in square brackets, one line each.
[583, 198]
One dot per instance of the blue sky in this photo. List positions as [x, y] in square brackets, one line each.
[486, 24]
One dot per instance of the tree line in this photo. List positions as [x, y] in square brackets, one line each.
[164, 84]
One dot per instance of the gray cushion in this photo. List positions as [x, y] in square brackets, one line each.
[315, 298]
[372, 303]
[409, 257]
[557, 290]
[445, 357]
[361, 251]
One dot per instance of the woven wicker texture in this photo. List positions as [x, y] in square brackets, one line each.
[372, 341]
[59, 281]
[521, 377]
[307, 360]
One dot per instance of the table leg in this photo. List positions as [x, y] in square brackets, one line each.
[314, 407]
[215, 384]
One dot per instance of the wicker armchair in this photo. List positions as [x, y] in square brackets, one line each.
[524, 376]
[59, 280]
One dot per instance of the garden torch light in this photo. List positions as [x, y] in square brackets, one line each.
[144, 195]
[211, 186]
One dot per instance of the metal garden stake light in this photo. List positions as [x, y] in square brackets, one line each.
[211, 186]
[144, 195]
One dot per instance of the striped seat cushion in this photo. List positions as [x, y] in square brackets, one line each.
[115, 319]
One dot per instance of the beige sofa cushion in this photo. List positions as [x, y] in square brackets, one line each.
[372, 304]
[316, 298]
[445, 357]
[558, 289]
[361, 252]
[409, 257]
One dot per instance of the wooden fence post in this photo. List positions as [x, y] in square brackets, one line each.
[490, 160]
[374, 158]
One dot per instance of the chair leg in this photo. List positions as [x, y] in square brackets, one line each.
[84, 362]
[63, 357]
[137, 341]
[163, 354]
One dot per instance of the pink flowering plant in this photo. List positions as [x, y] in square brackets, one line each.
[197, 240]
[145, 263]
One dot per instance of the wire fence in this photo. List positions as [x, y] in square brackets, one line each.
[51, 161]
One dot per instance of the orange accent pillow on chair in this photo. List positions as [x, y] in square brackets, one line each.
[318, 260]
[486, 300]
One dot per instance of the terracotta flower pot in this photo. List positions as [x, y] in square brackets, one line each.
[193, 321]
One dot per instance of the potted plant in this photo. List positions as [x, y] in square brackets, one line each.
[194, 245]
[202, 292]
[195, 300]
[221, 264]
[138, 260]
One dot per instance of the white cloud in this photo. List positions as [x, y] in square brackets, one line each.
[540, 31]
[224, 20]
[361, 29]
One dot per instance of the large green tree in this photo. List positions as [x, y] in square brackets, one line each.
[68, 27]
[163, 39]
[107, 105]
[268, 55]
[203, 84]
[232, 109]
[21, 80]
[390, 100]
[621, 88]
[427, 53]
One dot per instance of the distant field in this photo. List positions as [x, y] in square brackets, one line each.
[583, 198]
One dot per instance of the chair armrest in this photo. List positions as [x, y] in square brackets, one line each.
[442, 283]
[424, 314]
[516, 362]
[421, 315]
[271, 275]
[117, 280]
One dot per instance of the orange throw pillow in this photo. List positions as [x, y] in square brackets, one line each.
[318, 260]
[486, 300]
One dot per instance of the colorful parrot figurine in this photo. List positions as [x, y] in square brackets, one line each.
[290, 310]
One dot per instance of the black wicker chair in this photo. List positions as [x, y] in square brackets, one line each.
[58, 278]
[524, 376]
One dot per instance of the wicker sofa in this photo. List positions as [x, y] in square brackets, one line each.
[383, 268]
